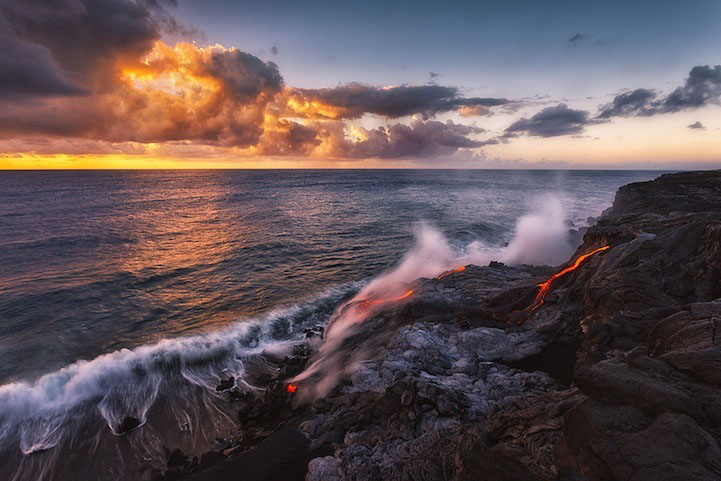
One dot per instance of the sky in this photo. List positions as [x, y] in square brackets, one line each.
[313, 84]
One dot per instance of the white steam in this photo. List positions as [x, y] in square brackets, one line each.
[540, 238]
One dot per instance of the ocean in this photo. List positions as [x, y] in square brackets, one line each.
[135, 292]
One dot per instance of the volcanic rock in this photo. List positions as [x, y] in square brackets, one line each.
[616, 376]
[128, 424]
[226, 384]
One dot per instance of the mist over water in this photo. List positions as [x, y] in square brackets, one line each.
[134, 293]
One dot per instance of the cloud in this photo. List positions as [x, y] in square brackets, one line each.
[551, 122]
[286, 137]
[29, 69]
[697, 126]
[576, 39]
[85, 35]
[212, 95]
[419, 139]
[282, 137]
[94, 76]
[637, 102]
[354, 100]
[702, 87]
[274, 50]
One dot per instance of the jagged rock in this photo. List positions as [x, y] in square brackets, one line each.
[476, 460]
[688, 340]
[283, 455]
[615, 377]
[652, 385]
[621, 442]
[326, 468]
[528, 428]
[128, 424]
[226, 384]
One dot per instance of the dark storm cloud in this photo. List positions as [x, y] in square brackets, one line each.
[53, 50]
[551, 122]
[29, 69]
[702, 87]
[697, 126]
[82, 33]
[354, 100]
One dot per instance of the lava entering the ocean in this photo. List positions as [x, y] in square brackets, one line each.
[366, 304]
[546, 286]
[452, 271]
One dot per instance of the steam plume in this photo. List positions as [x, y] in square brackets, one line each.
[540, 237]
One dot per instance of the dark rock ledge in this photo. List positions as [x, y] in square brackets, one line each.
[616, 377]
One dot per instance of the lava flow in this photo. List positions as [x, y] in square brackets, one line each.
[366, 304]
[452, 271]
[546, 286]
[292, 388]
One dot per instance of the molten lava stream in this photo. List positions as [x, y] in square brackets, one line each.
[546, 286]
[366, 304]
[452, 271]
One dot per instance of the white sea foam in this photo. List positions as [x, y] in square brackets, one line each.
[37, 416]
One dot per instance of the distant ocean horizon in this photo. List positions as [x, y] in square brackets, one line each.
[121, 291]
[367, 169]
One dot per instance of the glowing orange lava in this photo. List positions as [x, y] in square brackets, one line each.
[292, 388]
[366, 304]
[452, 271]
[546, 286]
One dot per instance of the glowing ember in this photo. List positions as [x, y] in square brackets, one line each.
[447, 273]
[366, 304]
[292, 388]
[546, 286]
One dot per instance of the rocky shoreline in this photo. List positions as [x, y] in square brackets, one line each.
[614, 377]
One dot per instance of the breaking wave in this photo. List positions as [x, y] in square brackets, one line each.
[168, 386]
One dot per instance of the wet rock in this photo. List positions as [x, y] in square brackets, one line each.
[177, 459]
[129, 423]
[210, 458]
[283, 456]
[226, 384]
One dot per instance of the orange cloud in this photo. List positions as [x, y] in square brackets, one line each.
[104, 83]
[352, 101]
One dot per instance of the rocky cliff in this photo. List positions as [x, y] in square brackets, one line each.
[615, 376]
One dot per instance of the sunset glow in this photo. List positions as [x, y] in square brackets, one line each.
[182, 89]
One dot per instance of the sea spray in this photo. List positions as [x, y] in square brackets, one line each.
[169, 387]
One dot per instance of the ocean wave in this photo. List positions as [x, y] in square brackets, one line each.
[60, 406]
